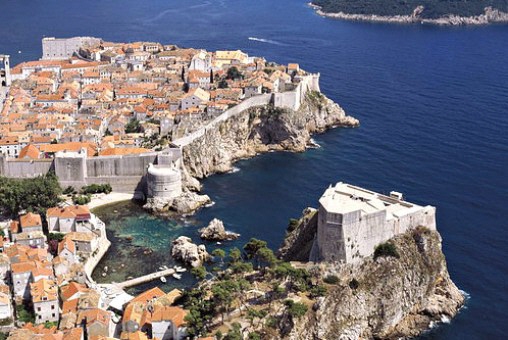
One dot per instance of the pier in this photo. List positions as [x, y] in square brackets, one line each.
[145, 278]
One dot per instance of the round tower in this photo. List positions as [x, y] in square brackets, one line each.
[163, 182]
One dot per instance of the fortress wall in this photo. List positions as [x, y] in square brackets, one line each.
[24, 168]
[123, 184]
[111, 166]
[263, 99]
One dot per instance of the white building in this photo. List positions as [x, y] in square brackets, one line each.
[45, 301]
[168, 323]
[77, 218]
[352, 221]
[64, 48]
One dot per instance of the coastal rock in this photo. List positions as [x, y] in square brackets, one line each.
[184, 250]
[187, 203]
[299, 238]
[262, 129]
[490, 15]
[391, 298]
[215, 231]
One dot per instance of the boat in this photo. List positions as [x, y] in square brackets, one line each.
[161, 268]
[218, 243]
[177, 276]
[180, 269]
[163, 279]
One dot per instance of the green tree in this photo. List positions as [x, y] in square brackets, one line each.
[235, 255]
[133, 126]
[220, 253]
[295, 309]
[199, 272]
[233, 73]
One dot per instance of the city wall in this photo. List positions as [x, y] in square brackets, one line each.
[289, 100]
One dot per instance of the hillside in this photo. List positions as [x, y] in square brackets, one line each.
[432, 9]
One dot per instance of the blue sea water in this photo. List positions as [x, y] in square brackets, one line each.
[433, 106]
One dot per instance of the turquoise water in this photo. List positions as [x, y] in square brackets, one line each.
[432, 101]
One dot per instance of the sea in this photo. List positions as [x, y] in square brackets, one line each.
[433, 107]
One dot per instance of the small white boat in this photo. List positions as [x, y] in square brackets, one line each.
[165, 268]
[105, 268]
[180, 269]
[104, 274]
[218, 243]
[177, 276]
[161, 268]
[163, 279]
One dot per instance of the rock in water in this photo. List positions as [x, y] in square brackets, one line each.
[215, 231]
[184, 250]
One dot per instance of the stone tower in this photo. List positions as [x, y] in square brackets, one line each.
[5, 71]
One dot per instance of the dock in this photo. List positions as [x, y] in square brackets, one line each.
[145, 278]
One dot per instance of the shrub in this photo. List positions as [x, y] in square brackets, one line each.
[97, 189]
[386, 249]
[331, 279]
[81, 199]
[293, 223]
[295, 309]
[199, 272]
[354, 284]
[5, 322]
[317, 291]
[69, 190]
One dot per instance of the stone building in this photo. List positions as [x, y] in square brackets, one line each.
[64, 48]
[352, 221]
[45, 300]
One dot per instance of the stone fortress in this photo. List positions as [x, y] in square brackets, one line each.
[352, 221]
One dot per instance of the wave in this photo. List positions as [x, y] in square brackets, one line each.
[267, 41]
[233, 170]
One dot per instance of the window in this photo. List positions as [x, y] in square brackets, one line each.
[53, 315]
[52, 306]
[38, 309]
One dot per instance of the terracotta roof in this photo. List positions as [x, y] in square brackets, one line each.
[29, 151]
[70, 306]
[169, 313]
[138, 335]
[68, 244]
[30, 220]
[69, 212]
[122, 151]
[71, 289]
[94, 315]
[148, 295]
[44, 290]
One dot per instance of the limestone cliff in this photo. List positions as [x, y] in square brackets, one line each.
[261, 129]
[385, 298]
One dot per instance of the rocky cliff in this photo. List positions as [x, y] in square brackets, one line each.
[386, 297]
[261, 129]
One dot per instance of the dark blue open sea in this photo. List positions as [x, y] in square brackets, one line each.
[433, 106]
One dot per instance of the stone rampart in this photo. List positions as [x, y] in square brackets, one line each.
[289, 99]
[14, 168]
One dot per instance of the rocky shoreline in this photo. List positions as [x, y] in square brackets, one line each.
[490, 16]
[263, 129]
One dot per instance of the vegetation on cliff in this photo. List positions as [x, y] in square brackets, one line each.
[433, 9]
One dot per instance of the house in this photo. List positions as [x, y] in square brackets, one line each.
[136, 316]
[201, 61]
[168, 322]
[76, 218]
[67, 250]
[5, 266]
[195, 98]
[45, 300]
[86, 243]
[96, 321]
[30, 222]
[34, 239]
[6, 311]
